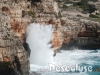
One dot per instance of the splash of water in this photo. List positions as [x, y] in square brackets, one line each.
[70, 58]
[39, 38]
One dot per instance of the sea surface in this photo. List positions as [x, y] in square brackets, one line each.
[71, 58]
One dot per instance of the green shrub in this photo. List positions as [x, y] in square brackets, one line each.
[92, 8]
[87, 7]
[64, 7]
[31, 13]
[84, 1]
[97, 13]
[93, 16]
[94, 0]
[79, 15]
[75, 4]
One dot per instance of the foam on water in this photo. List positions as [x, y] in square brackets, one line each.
[70, 58]
[39, 37]
[78, 56]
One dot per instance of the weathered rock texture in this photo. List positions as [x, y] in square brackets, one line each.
[80, 33]
[15, 17]
[23, 12]
[19, 14]
[70, 30]
[74, 32]
[46, 12]
[11, 48]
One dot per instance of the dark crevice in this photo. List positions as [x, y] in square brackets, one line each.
[34, 1]
[18, 65]
[6, 68]
[26, 47]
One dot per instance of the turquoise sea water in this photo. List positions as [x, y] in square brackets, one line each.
[71, 58]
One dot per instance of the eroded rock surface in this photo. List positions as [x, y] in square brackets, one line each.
[11, 48]
[47, 13]
[19, 11]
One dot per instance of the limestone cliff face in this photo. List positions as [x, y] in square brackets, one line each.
[23, 12]
[11, 48]
[18, 12]
[46, 12]
[80, 33]
[14, 19]
[69, 30]
[15, 16]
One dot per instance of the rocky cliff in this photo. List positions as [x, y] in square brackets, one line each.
[19, 11]
[80, 29]
[73, 29]
[15, 16]
[13, 24]
[23, 12]
[11, 49]
[46, 12]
